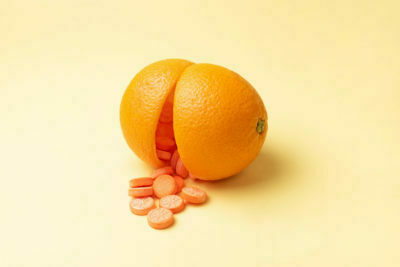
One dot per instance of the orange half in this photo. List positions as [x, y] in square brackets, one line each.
[142, 104]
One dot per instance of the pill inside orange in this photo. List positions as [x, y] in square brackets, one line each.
[163, 155]
[180, 183]
[164, 185]
[165, 143]
[174, 159]
[165, 129]
[181, 169]
[160, 218]
[141, 206]
[162, 171]
[218, 120]
[166, 113]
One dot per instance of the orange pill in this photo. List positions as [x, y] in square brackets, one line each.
[172, 202]
[143, 181]
[164, 143]
[180, 169]
[174, 159]
[166, 115]
[163, 155]
[180, 183]
[164, 185]
[165, 129]
[194, 195]
[140, 191]
[162, 171]
[141, 206]
[160, 218]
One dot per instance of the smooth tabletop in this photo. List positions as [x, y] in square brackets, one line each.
[324, 191]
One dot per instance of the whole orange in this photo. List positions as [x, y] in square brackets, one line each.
[219, 120]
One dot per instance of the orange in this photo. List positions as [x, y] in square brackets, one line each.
[142, 103]
[219, 120]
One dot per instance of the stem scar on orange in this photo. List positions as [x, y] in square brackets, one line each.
[219, 120]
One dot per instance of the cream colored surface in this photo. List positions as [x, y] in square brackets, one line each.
[325, 190]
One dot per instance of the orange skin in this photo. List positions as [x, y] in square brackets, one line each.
[160, 218]
[142, 103]
[228, 112]
[219, 120]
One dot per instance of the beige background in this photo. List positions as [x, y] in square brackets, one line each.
[324, 191]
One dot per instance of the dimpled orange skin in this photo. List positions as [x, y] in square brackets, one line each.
[215, 114]
[142, 104]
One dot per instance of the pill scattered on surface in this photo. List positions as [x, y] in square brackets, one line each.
[194, 195]
[141, 206]
[142, 181]
[140, 191]
[172, 202]
[160, 218]
[164, 185]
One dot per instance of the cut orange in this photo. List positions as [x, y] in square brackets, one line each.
[219, 121]
[143, 102]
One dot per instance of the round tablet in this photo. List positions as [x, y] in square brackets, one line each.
[172, 202]
[160, 218]
[141, 206]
